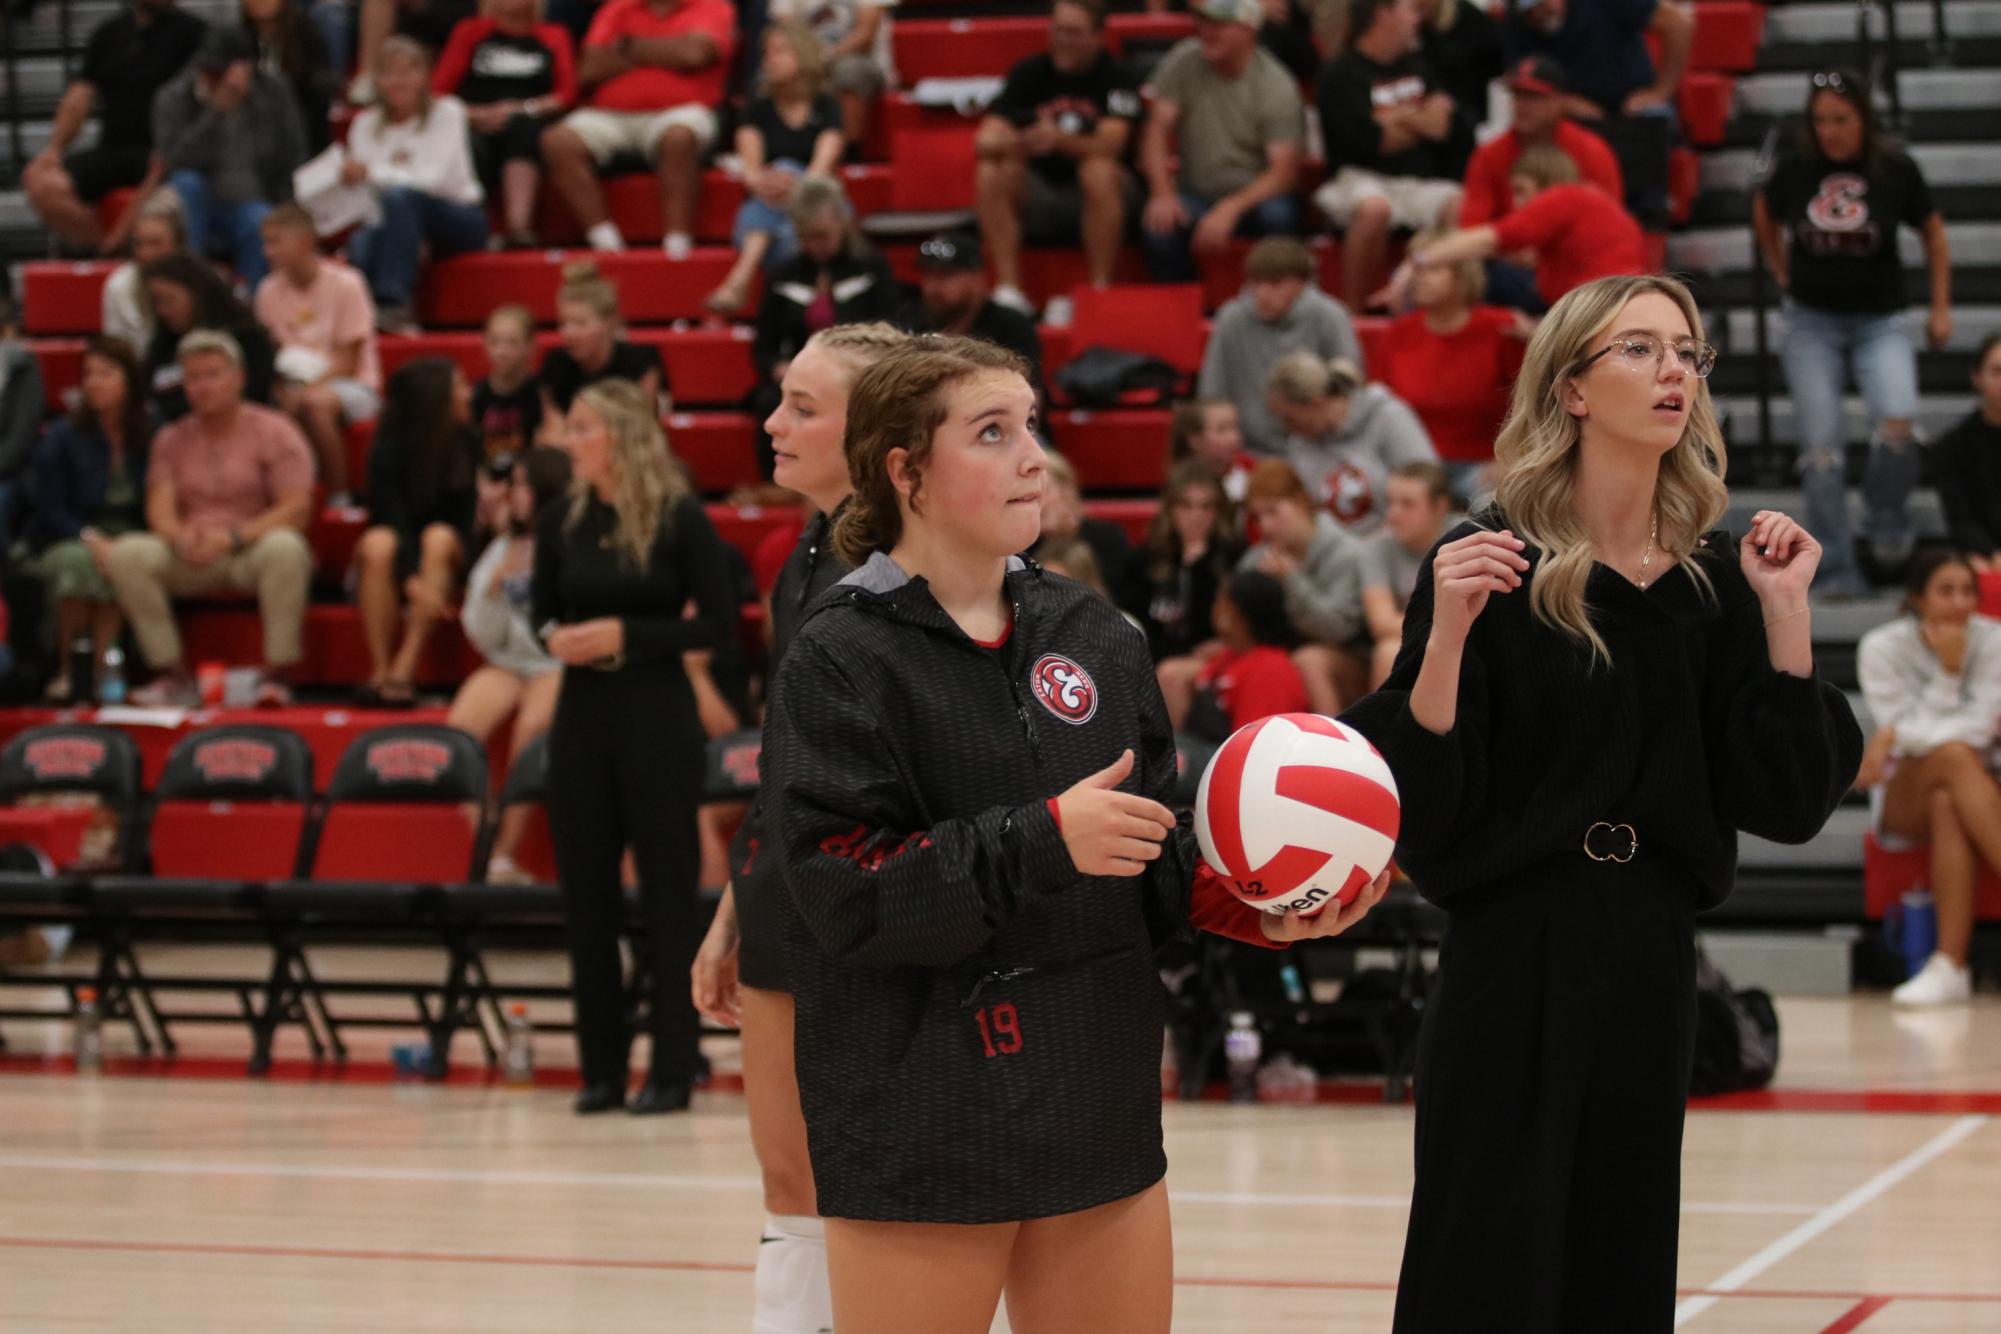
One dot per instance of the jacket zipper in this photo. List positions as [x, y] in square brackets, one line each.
[1014, 689]
[1039, 970]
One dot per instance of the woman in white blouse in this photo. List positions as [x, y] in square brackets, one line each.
[412, 147]
[1933, 681]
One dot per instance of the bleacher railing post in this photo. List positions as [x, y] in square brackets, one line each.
[1760, 301]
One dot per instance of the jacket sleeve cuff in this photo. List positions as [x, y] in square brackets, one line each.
[1039, 854]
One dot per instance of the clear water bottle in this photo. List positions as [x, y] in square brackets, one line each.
[111, 678]
[1243, 1049]
[517, 1061]
[87, 1042]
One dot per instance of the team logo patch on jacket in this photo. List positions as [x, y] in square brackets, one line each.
[1064, 688]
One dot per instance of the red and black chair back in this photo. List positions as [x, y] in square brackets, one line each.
[232, 804]
[406, 805]
[78, 758]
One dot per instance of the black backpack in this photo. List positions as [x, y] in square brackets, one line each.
[1736, 1034]
[1100, 377]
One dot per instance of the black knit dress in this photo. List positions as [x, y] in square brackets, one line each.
[1572, 823]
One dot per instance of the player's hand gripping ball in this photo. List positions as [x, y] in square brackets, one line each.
[1297, 811]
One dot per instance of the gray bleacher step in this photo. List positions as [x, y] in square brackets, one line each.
[1920, 89]
[1785, 963]
[42, 31]
[1956, 164]
[1837, 848]
[1937, 413]
[1970, 324]
[1728, 249]
[1823, 23]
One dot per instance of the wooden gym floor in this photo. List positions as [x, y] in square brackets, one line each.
[1863, 1193]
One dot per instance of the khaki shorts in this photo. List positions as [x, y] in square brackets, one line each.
[1415, 202]
[610, 134]
[857, 73]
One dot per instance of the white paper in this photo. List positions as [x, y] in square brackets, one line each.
[334, 204]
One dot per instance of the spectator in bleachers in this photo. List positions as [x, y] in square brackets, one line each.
[1287, 35]
[836, 278]
[1222, 144]
[22, 405]
[90, 479]
[1827, 221]
[953, 298]
[1966, 465]
[290, 46]
[413, 150]
[1454, 361]
[335, 21]
[654, 73]
[790, 130]
[1601, 46]
[1933, 681]
[421, 473]
[429, 23]
[157, 232]
[518, 678]
[1252, 674]
[129, 57]
[1396, 142]
[229, 492]
[1538, 90]
[1462, 40]
[1344, 436]
[1319, 565]
[184, 294]
[860, 61]
[227, 137]
[1577, 232]
[318, 313]
[1191, 546]
[1073, 558]
[1052, 152]
[1206, 430]
[593, 347]
[1416, 514]
[1063, 518]
[513, 73]
[507, 404]
[1280, 310]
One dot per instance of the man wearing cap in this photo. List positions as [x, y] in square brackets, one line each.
[1396, 141]
[1221, 149]
[1539, 97]
[952, 298]
[229, 491]
[227, 137]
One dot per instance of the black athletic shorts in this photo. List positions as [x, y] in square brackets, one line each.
[98, 171]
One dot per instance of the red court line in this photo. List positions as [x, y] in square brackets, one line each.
[1853, 1317]
[716, 1267]
[1944, 1102]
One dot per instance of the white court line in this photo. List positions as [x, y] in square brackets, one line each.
[650, 1180]
[1854, 1200]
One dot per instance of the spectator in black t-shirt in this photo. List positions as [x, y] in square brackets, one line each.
[791, 130]
[130, 57]
[1827, 222]
[1463, 43]
[429, 23]
[1966, 464]
[1052, 151]
[513, 74]
[290, 46]
[953, 299]
[507, 404]
[1397, 142]
[589, 325]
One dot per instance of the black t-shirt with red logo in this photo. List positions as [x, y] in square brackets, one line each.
[1354, 89]
[1843, 219]
[1036, 90]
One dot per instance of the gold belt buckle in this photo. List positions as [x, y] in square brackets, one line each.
[1631, 850]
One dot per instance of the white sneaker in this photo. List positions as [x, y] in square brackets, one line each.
[1014, 299]
[1939, 982]
[676, 246]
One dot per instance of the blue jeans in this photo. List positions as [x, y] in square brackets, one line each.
[1822, 349]
[237, 226]
[1168, 258]
[337, 21]
[388, 254]
[774, 221]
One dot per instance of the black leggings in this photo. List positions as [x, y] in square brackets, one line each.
[625, 767]
[1552, 1078]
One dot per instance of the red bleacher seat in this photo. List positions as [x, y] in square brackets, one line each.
[396, 808]
[1124, 449]
[232, 804]
[62, 363]
[932, 170]
[1705, 103]
[1684, 184]
[335, 652]
[461, 292]
[1131, 515]
[63, 296]
[1728, 34]
[706, 366]
[1161, 321]
[1888, 873]
[717, 447]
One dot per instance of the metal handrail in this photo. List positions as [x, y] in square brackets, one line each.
[1761, 169]
[1881, 68]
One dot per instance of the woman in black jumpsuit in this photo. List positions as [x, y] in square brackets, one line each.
[967, 759]
[1592, 698]
[614, 567]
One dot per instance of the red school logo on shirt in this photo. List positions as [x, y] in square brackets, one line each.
[1064, 688]
[1350, 498]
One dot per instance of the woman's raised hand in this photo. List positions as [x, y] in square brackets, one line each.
[1467, 572]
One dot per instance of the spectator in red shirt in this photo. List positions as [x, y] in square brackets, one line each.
[1454, 361]
[656, 71]
[1253, 675]
[1578, 232]
[513, 74]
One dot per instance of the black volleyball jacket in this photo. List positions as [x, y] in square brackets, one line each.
[979, 1026]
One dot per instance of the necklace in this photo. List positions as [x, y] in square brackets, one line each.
[1647, 556]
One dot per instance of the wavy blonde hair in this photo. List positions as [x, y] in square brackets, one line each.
[1537, 455]
[646, 479]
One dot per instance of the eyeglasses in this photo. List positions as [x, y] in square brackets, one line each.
[1636, 350]
[1829, 79]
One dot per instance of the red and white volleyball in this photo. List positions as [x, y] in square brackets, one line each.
[1297, 811]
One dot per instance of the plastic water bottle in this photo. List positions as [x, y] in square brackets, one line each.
[111, 680]
[87, 1043]
[517, 1062]
[1243, 1049]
